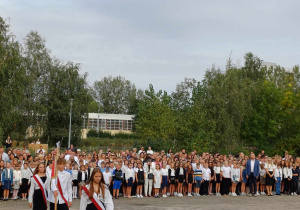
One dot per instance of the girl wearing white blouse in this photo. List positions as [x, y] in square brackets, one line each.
[37, 194]
[25, 180]
[130, 178]
[225, 174]
[235, 178]
[17, 181]
[95, 195]
[270, 171]
[157, 179]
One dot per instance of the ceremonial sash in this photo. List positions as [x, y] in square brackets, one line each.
[98, 204]
[60, 191]
[42, 187]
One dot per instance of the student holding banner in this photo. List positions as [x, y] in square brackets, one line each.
[96, 195]
[37, 193]
[61, 187]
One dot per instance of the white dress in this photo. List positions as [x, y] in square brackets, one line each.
[157, 182]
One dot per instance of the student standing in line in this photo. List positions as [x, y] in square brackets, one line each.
[190, 179]
[82, 178]
[17, 176]
[165, 180]
[74, 181]
[225, 174]
[1, 170]
[217, 172]
[25, 172]
[270, 171]
[171, 175]
[37, 197]
[139, 177]
[235, 178]
[7, 180]
[117, 180]
[130, 179]
[295, 175]
[180, 177]
[206, 178]
[262, 181]
[157, 179]
[278, 178]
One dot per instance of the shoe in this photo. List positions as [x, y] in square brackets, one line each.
[141, 196]
[138, 196]
[134, 196]
[180, 194]
[175, 193]
[164, 196]
[255, 195]
[230, 193]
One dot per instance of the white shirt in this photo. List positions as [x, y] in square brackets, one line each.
[17, 176]
[206, 174]
[67, 157]
[106, 176]
[172, 172]
[74, 174]
[180, 171]
[252, 165]
[108, 203]
[270, 167]
[164, 172]
[226, 171]
[130, 173]
[26, 174]
[4, 157]
[287, 173]
[150, 152]
[65, 179]
[34, 186]
[217, 169]
[235, 174]
[278, 173]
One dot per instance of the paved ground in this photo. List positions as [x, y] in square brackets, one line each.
[188, 203]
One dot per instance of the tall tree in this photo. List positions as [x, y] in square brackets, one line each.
[116, 94]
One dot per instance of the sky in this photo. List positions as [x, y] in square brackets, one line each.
[159, 42]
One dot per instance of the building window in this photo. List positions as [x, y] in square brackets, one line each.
[93, 124]
[128, 125]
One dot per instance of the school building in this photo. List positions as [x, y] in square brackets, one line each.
[113, 123]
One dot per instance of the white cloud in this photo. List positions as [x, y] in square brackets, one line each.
[159, 41]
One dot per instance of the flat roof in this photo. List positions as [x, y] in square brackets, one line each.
[111, 116]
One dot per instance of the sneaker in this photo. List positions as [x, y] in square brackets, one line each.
[164, 196]
[168, 194]
[230, 193]
[175, 193]
[141, 196]
[255, 195]
[138, 196]
[180, 194]
[134, 196]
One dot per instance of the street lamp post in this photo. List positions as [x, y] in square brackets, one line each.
[71, 104]
[98, 118]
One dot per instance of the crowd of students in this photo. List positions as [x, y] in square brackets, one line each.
[141, 173]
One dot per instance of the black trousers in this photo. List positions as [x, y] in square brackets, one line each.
[205, 187]
[226, 185]
[59, 206]
[252, 183]
[287, 185]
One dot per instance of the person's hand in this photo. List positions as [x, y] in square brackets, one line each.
[256, 177]
[70, 204]
[247, 176]
[55, 193]
[276, 180]
[195, 182]
[126, 181]
[137, 181]
[20, 184]
[30, 205]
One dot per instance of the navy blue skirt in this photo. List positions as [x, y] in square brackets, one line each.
[130, 182]
[164, 181]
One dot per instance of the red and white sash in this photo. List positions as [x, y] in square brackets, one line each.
[60, 191]
[42, 187]
[95, 200]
